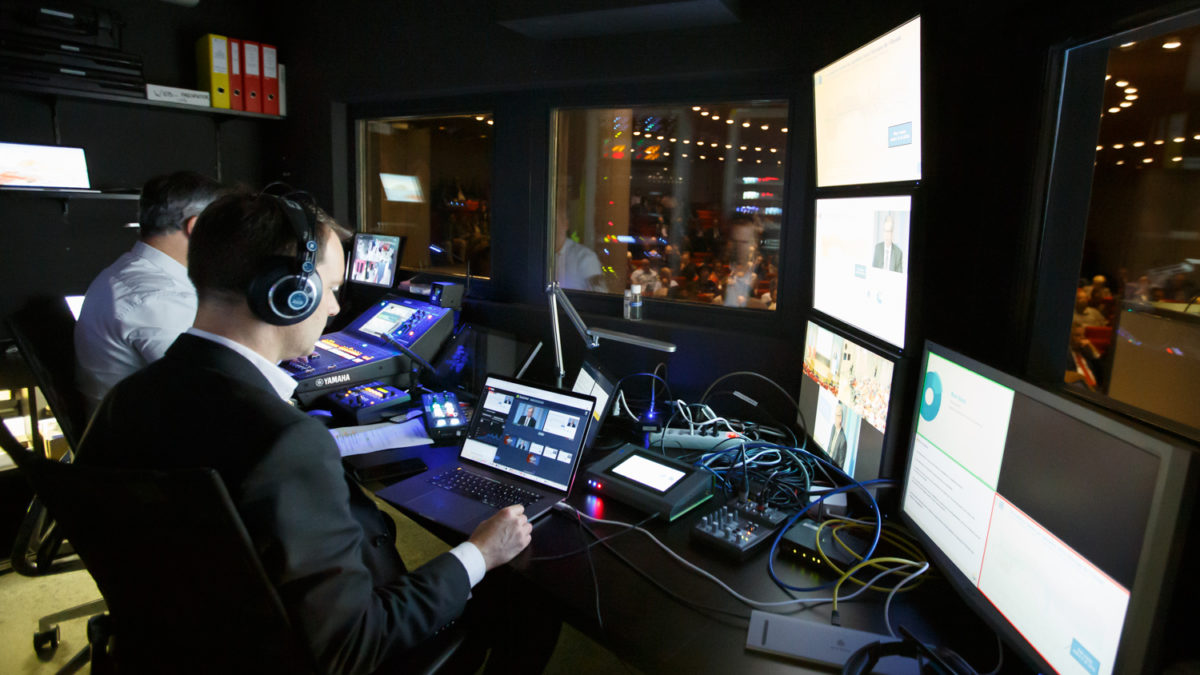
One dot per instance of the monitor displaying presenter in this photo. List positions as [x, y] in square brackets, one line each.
[860, 272]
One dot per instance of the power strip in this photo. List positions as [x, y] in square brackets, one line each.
[704, 438]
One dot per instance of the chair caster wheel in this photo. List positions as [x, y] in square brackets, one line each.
[45, 643]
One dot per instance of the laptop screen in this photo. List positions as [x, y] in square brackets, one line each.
[529, 431]
[45, 166]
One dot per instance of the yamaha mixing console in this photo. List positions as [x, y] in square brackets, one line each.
[367, 349]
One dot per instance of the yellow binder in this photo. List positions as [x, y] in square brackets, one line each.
[212, 68]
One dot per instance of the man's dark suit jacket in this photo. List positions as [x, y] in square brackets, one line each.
[897, 263]
[325, 546]
[837, 447]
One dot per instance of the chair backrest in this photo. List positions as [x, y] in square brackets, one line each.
[183, 583]
[44, 330]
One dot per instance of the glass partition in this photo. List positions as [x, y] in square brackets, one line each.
[429, 181]
[684, 200]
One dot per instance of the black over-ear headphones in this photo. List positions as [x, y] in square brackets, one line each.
[288, 289]
[937, 660]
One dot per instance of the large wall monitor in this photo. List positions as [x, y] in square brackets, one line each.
[374, 259]
[844, 399]
[860, 269]
[868, 112]
[1057, 523]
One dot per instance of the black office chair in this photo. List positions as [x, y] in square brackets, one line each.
[186, 591]
[184, 586]
[44, 332]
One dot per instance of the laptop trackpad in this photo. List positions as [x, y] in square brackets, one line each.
[459, 512]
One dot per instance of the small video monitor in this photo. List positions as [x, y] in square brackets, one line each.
[374, 259]
[42, 166]
[401, 188]
[860, 263]
[867, 112]
[593, 380]
[844, 399]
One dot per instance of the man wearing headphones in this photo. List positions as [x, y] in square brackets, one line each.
[136, 307]
[266, 270]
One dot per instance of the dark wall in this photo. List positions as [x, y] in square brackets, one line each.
[55, 247]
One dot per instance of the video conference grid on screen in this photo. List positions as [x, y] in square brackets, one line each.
[867, 108]
[860, 267]
[1058, 567]
[530, 432]
[844, 397]
[374, 260]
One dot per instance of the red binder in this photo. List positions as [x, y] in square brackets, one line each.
[251, 76]
[270, 80]
[236, 99]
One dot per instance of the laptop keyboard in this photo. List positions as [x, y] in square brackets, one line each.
[484, 489]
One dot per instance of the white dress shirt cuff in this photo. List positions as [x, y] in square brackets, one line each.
[468, 554]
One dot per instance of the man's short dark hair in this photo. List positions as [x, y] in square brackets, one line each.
[237, 235]
[168, 201]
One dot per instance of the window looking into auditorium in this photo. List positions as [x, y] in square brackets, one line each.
[429, 181]
[1135, 331]
[685, 201]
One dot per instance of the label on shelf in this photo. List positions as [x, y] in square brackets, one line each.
[158, 92]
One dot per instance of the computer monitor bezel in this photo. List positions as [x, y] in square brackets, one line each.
[396, 255]
[1162, 544]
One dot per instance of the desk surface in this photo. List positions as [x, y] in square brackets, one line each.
[655, 632]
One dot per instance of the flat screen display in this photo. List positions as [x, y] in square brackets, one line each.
[867, 108]
[374, 259]
[48, 166]
[401, 188]
[844, 399]
[860, 269]
[592, 380]
[1043, 509]
[647, 472]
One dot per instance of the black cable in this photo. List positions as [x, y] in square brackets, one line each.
[646, 575]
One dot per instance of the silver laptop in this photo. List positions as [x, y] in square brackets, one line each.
[43, 168]
[524, 446]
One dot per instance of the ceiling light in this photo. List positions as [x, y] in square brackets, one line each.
[1122, 83]
[765, 127]
[1159, 142]
[686, 141]
[479, 118]
[491, 122]
[1114, 110]
[742, 148]
[704, 113]
[739, 159]
[758, 148]
[774, 150]
[1147, 160]
[703, 156]
[728, 121]
[1172, 43]
[1118, 146]
[637, 133]
[1138, 144]
[746, 124]
[1099, 148]
[1131, 97]
[696, 108]
[1120, 162]
[1125, 104]
[716, 117]
[784, 130]
[1178, 139]
[685, 155]
[1126, 45]
[730, 147]
[1176, 159]
[1130, 90]
[1107, 78]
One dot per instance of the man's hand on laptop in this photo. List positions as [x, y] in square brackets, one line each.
[504, 535]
